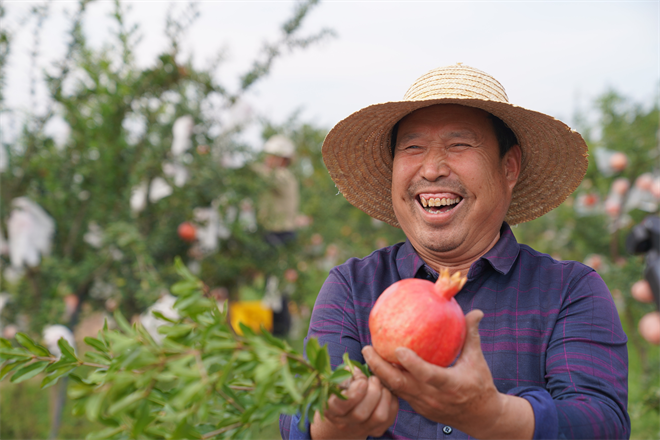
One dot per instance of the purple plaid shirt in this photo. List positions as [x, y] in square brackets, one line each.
[550, 334]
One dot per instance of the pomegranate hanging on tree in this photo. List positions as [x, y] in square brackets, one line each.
[187, 231]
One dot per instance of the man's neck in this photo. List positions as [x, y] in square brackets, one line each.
[460, 263]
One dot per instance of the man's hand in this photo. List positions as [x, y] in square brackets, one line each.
[463, 396]
[369, 409]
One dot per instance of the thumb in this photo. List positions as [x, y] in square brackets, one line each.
[472, 339]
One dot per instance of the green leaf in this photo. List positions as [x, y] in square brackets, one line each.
[312, 350]
[104, 433]
[14, 353]
[32, 346]
[96, 344]
[182, 270]
[272, 339]
[29, 371]
[176, 331]
[163, 317]
[187, 394]
[247, 331]
[322, 362]
[143, 417]
[307, 408]
[62, 363]
[122, 322]
[67, 351]
[93, 406]
[98, 358]
[78, 391]
[184, 289]
[52, 378]
[9, 367]
[349, 362]
[185, 430]
[227, 371]
[212, 346]
[5, 343]
[340, 375]
[290, 384]
[126, 401]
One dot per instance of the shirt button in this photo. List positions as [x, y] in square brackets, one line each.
[447, 430]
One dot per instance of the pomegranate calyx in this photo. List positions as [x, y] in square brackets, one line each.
[447, 286]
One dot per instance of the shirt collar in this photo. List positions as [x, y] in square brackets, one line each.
[500, 257]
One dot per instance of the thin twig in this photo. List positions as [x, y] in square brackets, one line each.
[241, 388]
[231, 401]
[221, 430]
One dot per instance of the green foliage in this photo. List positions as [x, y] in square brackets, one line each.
[203, 381]
[120, 118]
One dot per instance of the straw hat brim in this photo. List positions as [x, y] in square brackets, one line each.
[358, 156]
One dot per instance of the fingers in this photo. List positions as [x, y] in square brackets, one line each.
[472, 341]
[419, 368]
[392, 377]
[356, 391]
[385, 413]
[366, 409]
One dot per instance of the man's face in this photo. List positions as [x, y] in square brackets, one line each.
[450, 189]
[272, 161]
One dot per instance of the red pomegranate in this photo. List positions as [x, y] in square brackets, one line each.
[187, 231]
[619, 161]
[649, 327]
[421, 316]
[641, 291]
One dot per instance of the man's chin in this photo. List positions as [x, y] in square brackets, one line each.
[439, 241]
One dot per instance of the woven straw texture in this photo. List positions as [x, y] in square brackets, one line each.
[358, 156]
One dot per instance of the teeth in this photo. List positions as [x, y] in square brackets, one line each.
[436, 201]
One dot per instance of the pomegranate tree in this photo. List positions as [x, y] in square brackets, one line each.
[422, 316]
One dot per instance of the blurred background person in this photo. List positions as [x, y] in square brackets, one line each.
[277, 214]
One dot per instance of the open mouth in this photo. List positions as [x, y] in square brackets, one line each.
[438, 205]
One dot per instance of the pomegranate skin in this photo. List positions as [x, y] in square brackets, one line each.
[412, 313]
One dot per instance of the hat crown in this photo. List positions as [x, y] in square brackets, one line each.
[457, 81]
[280, 145]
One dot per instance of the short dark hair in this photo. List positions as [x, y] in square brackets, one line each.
[506, 138]
[504, 135]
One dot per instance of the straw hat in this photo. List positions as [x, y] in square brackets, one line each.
[280, 145]
[358, 156]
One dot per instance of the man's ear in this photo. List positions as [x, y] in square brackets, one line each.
[512, 161]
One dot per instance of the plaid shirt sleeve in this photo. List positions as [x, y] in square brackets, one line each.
[586, 367]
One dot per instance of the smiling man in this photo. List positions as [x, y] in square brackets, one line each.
[454, 164]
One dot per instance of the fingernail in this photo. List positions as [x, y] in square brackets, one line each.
[401, 353]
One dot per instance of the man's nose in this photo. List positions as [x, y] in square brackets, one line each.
[435, 166]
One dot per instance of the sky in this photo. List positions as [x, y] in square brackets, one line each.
[555, 57]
